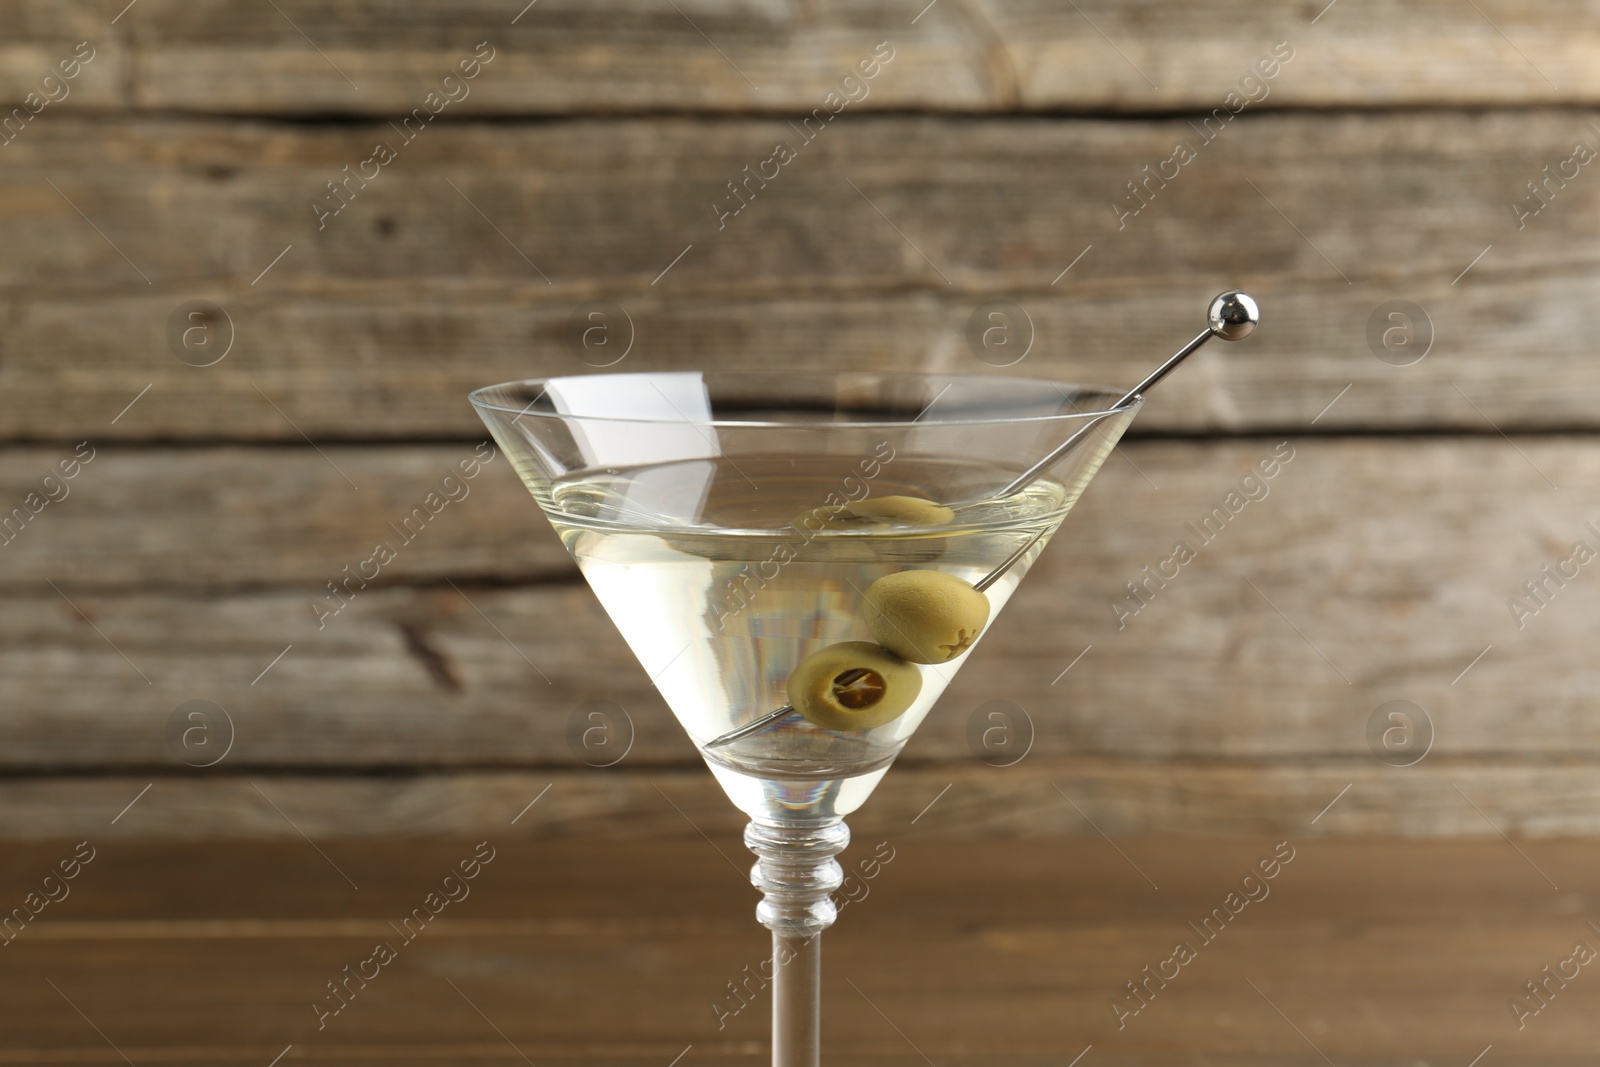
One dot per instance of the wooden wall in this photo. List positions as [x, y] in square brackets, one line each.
[1380, 163]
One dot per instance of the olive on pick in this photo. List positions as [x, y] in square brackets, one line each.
[853, 685]
[903, 510]
[874, 512]
[925, 616]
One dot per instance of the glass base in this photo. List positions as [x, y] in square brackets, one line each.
[794, 801]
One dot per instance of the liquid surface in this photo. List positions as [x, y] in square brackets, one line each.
[721, 593]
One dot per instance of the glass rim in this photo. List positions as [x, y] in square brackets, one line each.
[479, 399]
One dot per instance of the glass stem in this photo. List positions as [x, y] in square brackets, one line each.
[797, 874]
[797, 1000]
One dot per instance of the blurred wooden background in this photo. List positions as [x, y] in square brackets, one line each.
[1380, 163]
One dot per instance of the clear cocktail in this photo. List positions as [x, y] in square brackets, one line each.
[722, 602]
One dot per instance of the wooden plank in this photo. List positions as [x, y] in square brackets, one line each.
[127, 889]
[243, 518]
[75, 45]
[397, 362]
[355, 58]
[561, 58]
[1529, 797]
[1373, 570]
[377, 324]
[1366, 53]
[978, 951]
[992, 204]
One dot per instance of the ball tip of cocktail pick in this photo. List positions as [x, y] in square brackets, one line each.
[1234, 315]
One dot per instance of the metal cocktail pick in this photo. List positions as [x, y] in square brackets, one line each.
[1232, 316]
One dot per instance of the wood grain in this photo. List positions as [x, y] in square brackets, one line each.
[38, 38]
[352, 58]
[214, 519]
[1367, 53]
[613, 203]
[393, 362]
[1386, 161]
[978, 951]
[375, 325]
[1373, 570]
[1042, 796]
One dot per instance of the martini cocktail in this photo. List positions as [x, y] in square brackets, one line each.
[801, 562]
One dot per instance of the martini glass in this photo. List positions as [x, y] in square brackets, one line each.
[801, 562]
[733, 526]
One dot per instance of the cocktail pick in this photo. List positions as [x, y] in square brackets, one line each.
[1232, 316]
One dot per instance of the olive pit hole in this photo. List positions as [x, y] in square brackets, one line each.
[858, 688]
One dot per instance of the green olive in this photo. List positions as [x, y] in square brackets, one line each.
[901, 511]
[854, 685]
[925, 616]
[826, 517]
[874, 512]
